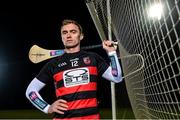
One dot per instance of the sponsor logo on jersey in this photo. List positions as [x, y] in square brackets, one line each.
[74, 77]
[87, 60]
[62, 64]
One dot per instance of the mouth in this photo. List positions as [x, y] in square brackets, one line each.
[69, 40]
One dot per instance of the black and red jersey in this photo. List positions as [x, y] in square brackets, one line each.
[75, 78]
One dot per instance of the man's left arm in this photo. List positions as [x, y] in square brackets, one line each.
[113, 72]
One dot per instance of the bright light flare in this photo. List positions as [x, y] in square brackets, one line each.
[155, 11]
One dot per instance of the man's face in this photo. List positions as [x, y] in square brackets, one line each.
[71, 35]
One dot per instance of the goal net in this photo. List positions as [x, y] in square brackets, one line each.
[149, 51]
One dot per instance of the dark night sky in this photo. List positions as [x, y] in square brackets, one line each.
[26, 24]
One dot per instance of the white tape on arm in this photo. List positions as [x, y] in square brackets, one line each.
[114, 72]
[32, 93]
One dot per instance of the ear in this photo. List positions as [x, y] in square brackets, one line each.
[81, 36]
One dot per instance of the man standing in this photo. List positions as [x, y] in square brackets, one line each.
[75, 76]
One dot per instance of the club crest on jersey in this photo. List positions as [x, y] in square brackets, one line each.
[87, 60]
[74, 77]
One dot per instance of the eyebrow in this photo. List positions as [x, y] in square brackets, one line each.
[70, 30]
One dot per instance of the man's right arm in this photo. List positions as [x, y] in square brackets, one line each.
[32, 93]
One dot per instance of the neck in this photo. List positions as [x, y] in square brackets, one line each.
[72, 50]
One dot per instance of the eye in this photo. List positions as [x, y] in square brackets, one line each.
[64, 32]
[73, 31]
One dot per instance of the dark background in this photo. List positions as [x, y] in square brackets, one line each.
[25, 24]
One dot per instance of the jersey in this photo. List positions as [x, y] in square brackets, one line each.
[75, 78]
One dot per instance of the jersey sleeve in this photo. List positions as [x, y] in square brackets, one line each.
[102, 65]
[45, 74]
[32, 91]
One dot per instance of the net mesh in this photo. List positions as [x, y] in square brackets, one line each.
[150, 54]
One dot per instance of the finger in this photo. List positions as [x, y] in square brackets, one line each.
[111, 44]
[61, 108]
[58, 111]
[105, 43]
[63, 105]
[62, 101]
[108, 43]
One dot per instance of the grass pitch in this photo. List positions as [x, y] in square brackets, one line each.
[125, 113]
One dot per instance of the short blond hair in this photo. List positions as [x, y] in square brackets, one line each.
[68, 21]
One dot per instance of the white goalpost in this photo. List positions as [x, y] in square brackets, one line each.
[149, 45]
[98, 25]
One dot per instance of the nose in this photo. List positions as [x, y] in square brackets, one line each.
[68, 35]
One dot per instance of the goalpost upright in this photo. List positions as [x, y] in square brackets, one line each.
[102, 35]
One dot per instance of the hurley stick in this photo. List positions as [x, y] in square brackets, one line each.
[38, 54]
